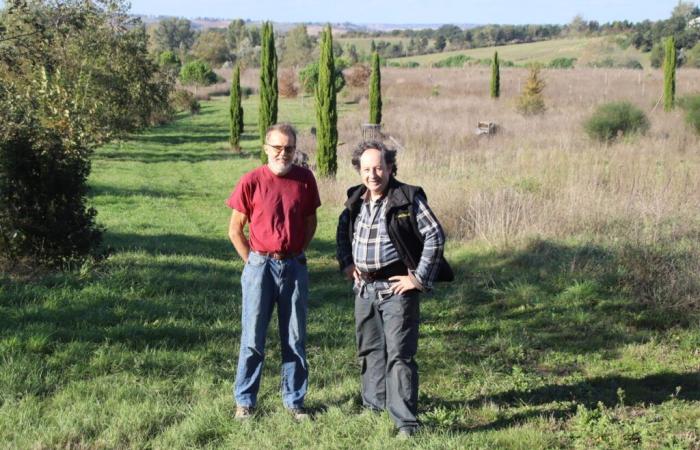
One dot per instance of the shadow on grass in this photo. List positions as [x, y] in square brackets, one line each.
[610, 391]
[545, 297]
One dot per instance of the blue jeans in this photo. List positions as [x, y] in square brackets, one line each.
[265, 282]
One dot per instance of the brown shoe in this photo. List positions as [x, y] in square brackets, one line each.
[243, 412]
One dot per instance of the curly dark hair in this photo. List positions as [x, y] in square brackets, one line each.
[388, 154]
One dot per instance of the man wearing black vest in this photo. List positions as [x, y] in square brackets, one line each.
[390, 245]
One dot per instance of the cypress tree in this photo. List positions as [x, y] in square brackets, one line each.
[670, 74]
[375, 92]
[495, 77]
[326, 114]
[236, 110]
[268, 84]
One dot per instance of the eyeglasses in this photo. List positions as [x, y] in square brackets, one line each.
[288, 149]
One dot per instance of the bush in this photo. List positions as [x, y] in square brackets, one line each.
[286, 84]
[632, 64]
[615, 119]
[182, 100]
[411, 64]
[531, 101]
[562, 63]
[691, 105]
[43, 194]
[453, 61]
[358, 75]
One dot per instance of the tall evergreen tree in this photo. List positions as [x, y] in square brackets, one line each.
[495, 77]
[375, 92]
[236, 110]
[326, 113]
[268, 85]
[670, 74]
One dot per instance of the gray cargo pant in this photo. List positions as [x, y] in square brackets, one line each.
[387, 341]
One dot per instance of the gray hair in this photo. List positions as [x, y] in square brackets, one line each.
[388, 154]
[284, 128]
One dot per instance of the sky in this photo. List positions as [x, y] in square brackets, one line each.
[412, 11]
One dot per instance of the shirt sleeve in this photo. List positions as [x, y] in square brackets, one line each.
[241, 199]
[433, 243]
[314, 200]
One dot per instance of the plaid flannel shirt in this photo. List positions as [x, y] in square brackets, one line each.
[372, 249]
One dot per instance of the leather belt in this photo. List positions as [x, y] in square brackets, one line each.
[278, 255]
[395, 268]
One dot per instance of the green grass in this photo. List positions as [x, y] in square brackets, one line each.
[521, 54]
[538, 346]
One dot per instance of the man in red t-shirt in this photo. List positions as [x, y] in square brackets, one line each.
[278, 201]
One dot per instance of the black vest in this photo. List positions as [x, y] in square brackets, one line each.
[401, 223]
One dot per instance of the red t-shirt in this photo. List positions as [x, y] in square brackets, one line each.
[276, 207]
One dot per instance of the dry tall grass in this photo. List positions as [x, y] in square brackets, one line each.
[539, 176]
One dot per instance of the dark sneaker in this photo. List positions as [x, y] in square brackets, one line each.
[299, 414]
[243, 412]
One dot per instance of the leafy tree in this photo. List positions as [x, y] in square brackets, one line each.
[670, 74]
[308, 76]
[353, 57]
[197, 73]
[235, 33]
[692, 57]
[236, 110]
[297, 47]
[531, 101]
[268, 85]
[211, 47]
[326, 113]
[440, 43]
[375, 92]
[495, 77]
[71, 77]
[174, 34]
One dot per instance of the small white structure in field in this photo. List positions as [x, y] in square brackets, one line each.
[485, 128]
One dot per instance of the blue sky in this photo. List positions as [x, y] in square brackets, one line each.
[413, 11]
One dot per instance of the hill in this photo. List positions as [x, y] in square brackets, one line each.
[585, 50]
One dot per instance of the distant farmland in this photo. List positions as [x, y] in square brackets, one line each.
[364, 44]
[584, 49]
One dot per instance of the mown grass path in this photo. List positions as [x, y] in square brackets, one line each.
[534, 347]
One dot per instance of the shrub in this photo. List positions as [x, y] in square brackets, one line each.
[286, 84]
[411, 64]
[358, 75]
[615, 119]
[562, 63]
[691, 105]
[452, 61]
[182, 100]
[531, 101]
[43, 194]
[632, 64]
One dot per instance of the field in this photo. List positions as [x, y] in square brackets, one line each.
[584, 49]
[573, 322]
